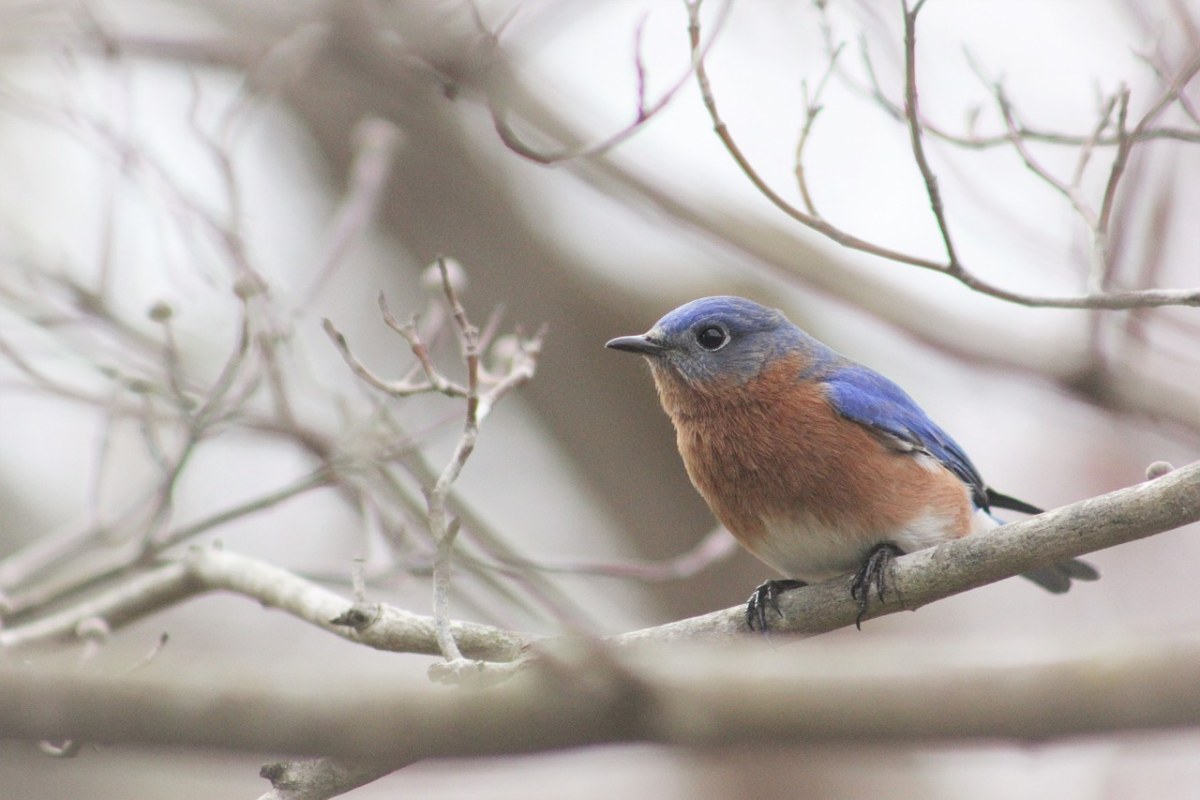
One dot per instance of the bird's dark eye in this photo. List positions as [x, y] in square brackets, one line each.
[712, 337]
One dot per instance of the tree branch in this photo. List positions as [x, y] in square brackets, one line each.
[599, 699]
[379, 626]
[585, 694]
[952, 266]
[912, 113]
[782, 251]
[322, 778]
[643, 113]
[1164, 503]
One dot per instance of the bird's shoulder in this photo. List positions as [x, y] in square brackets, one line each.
[864, 396]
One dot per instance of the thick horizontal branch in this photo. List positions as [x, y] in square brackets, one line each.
[1122, 516]
[678, 694]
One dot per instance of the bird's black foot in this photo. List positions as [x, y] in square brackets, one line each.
[764, 597]
[872, 572]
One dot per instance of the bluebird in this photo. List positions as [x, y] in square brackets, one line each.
[818, 465]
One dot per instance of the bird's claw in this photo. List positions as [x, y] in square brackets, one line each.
[872, 572]
[766, 596]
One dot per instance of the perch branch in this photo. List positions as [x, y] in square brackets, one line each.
[1169, 501]
[1125, 515]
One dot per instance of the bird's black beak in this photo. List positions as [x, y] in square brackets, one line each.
[636, 344]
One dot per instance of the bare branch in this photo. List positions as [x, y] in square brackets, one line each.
[1163, 503]
[1114, 177]
[972, 140]
[551, 599]
[436, 380]
[444, 529]
[101, 565]
[743, 162]
[441, 584]
[1070, 191]
[643, 112]
[479, 402]
[131, 599]
[376, 141]
[913, 115]
[381, 626]
[639, 66]
[403, 388]
[812, 107]
[712, 549]
[952, 267]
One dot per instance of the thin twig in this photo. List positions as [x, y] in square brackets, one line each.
[105, 565]
[639, 66]
[812, 107]
[1110, 190]
[1089, 146]
[481, 392]
[1070, 191]
[714, 548]
[912, 114]
[237, 54]
[375, 144]
[434, 382]
[445, 530]
[558, 605]
[731, 146]
[643, 112]
[971, 140]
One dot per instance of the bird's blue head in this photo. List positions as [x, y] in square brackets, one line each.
[720, 339]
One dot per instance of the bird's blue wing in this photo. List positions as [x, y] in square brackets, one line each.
[866, 397]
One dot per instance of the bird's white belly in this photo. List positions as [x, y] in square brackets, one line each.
[803, 547]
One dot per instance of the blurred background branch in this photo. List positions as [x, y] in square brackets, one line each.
[755, 694]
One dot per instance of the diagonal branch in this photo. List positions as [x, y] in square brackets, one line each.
[1125, 515]
[1164, 503]
[379, 626]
